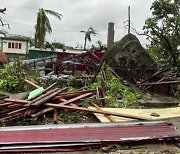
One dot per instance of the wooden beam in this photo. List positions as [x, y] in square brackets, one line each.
[55, 117]
[95, 111]
[48, 97]
[32, 84]
[17, 101]
[156, 83]
[42, 112]
[111, 119]
[77, 98]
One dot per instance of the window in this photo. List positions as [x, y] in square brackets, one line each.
[19, 45]
[13, 45]
[9, 44]
[16, 45]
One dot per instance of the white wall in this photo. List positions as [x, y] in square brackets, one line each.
[23, 49]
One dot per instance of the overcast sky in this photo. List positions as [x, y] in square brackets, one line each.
[77, 15]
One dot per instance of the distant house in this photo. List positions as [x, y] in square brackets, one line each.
[14, 48]
[35, 53]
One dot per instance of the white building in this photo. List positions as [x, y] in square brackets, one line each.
[14, 47]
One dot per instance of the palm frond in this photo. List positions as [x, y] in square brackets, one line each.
[82, 31]
[43, 26]
[55, 14]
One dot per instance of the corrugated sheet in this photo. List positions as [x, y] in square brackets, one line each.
[97, 134]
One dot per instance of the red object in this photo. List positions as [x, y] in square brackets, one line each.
[108, 133]
[94, 57]
[97, 134]
[99, 54]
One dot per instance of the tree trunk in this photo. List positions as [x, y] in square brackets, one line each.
[85, 41]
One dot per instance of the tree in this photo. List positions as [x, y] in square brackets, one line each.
[1, 21]
[88, 34]
[43, 26]
[98, 46]
[163, 29]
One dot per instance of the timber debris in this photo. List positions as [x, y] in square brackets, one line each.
[50, 100]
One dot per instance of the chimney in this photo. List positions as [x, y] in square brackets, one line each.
[110, 38]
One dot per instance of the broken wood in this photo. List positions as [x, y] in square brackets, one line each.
[155, 74]
[77, 98]
[73, 94]
[44, 91]
[111, 119]
[55, 117]
[32, 84]
[42, 112]
[46, 98]
[17, 101]
[95, 111]
[156, 83]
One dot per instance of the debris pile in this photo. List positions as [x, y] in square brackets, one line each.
[50, 100]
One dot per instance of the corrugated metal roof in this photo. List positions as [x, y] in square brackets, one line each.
[89, 134]
[73, 135]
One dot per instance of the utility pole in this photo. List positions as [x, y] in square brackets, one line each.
[129, 19]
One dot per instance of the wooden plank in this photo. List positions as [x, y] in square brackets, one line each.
[42, 96]
[64, 100]
[156, 83]
[47, 97]
[111, 119]
[73, 94]
[44, 91]
[77, 98]
[95, 111]
[164, 113]
[17, 101]
[42, 112]
[32, 84]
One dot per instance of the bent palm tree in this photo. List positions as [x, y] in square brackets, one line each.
[88, 34]
[43, 26]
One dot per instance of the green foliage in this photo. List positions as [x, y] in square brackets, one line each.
[12, 78]
[116, 90]
[98, 46]
[71, 117]
[159, 59]
[163, 29]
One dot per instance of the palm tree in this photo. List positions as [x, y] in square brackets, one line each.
[43, 26]
[88, 34]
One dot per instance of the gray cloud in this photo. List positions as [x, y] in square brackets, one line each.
[77, 15]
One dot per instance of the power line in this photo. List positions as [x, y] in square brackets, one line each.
[78, 31]
[83, 26]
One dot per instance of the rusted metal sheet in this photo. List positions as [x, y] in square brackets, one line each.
[86, 133]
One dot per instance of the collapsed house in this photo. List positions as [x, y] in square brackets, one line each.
[129, 59]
